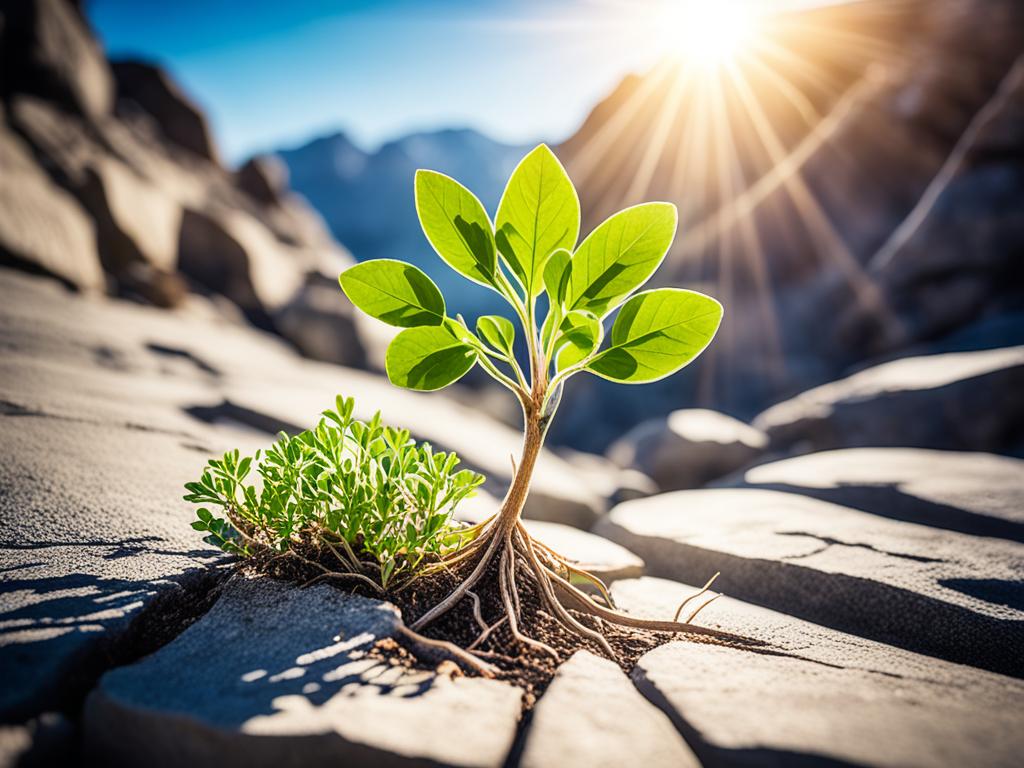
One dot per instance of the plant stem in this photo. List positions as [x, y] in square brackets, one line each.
[533, 441]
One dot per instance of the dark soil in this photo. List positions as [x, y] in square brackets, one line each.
[525, 666]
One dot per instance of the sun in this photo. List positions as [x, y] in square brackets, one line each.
[711, 33]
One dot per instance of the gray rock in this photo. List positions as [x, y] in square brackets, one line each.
[237, 256]
[320, 321]
[275, 675]
[959, 401]
[592, 716]
[49, 49]
[953, 255]
[265, 177]
[136, 222]
[933, 591]
[43, 227]
[689, 448]
[180, 121]
[975, 493]
[820, 696]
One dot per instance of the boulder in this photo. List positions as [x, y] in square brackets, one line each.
[689, 448]
[151, 89]
[42, 227]
[974, 493]
[136, 222]
[48, 49]
[264, 177]
[592, 716]
[818, 697]
[958, 401]
[320, 321]
[235, 255]
[933, 591]
[276, 675]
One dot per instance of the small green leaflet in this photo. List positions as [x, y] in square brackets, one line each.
[556, 276]
[656, 333]
[395, 292]
[619, 256]
[539, 212]
[427, 358]
[497, 331]
[580, 333]
[456, 225]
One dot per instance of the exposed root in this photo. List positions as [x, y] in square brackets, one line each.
[463, 588]
[451, 649]
[509, 560]
[694, 596]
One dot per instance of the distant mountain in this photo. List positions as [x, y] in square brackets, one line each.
[367, 198]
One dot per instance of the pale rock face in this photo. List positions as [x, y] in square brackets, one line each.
[958, 400]
[277, 671]
[819, 693]
[912, 585]
[690, 448]
[42, 226]
[591, 716]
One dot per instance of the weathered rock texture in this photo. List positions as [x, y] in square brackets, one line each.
[154, 208]
[688, 449]
[274, 675]
[933, 591]
[591, 716]
[965, 401]
[818, 696]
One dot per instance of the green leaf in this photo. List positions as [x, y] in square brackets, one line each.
[538, 213]
[395, 292]
[427, 358]
[580, 333]
[656, 333]
[619, 256]
[497, 331]
[556, 275]
[456, 225]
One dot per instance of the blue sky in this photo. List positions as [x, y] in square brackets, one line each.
[277, 73]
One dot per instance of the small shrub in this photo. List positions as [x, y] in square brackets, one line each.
[379, 501]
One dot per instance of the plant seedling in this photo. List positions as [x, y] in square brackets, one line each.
[379, 504]
[528, 251]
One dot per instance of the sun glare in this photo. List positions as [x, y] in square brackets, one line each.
[710, 34]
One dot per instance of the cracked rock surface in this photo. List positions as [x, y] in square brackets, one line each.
[275, 675]
[822, 696]
[939, 592]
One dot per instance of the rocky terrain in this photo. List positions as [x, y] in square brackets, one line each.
[157, 308]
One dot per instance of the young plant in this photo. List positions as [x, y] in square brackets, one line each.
[377, 502]
[529, 251]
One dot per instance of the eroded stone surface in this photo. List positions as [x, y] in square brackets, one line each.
[976, 493]
[930, 590]
[958, 401]
[823, 696]
[276, 675]
[592, 716]
[689, 448]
